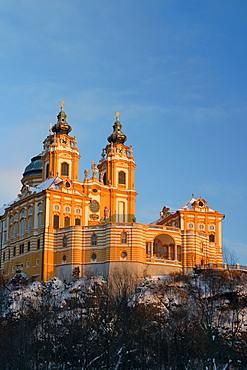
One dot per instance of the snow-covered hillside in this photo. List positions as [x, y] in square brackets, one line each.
[169, 322]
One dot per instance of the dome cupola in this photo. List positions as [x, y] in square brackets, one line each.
[61, 127]
[33, 168]
[117, 137]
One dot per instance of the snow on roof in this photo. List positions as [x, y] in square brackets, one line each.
[48, 184]
[2, 209]
[188, 204]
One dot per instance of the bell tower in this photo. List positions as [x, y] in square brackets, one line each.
[117, 172]
[60, 156]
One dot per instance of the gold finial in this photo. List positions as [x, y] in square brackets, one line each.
[117, 115]
[62, 104]
[193, 195]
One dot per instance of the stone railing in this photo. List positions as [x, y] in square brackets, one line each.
[223, 266]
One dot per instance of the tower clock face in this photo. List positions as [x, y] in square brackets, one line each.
[64, 141]
[121, 151]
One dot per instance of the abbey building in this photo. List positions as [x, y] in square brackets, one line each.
[61, 226]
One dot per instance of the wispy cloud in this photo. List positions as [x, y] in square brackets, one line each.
[222, 189]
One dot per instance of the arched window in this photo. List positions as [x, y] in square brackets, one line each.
[15, 229]
[164, 247]
[104, 178]
[23, 222]
[64, 169]
[124, 237]
[121, 178]
[40, 217]
[23, 226]
[64, 259]
[39, 220]
[94, 239]
[66, 221]
[65, 241]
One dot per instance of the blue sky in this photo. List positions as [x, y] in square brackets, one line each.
[176, 71]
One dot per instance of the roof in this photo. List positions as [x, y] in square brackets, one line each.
[187, 204]
[48, 184]
[34, 168]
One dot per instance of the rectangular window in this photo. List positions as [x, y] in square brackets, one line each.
[77, 221]
[121, 177]
[211, 238]
[38, 244]
[14, 251]
[64, 169]
[39, 220]
[124, 237]
[94, 239]
[28, 246]
[56, 221]
[21, 249]
[66, 221]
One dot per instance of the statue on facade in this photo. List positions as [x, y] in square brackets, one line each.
[86, 174]
[94, 169]
[106, 213]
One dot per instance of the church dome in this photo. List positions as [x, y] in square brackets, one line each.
[117, 137]
[34, 168]
[61, 127]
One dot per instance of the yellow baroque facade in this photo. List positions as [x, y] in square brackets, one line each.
[61, 226]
